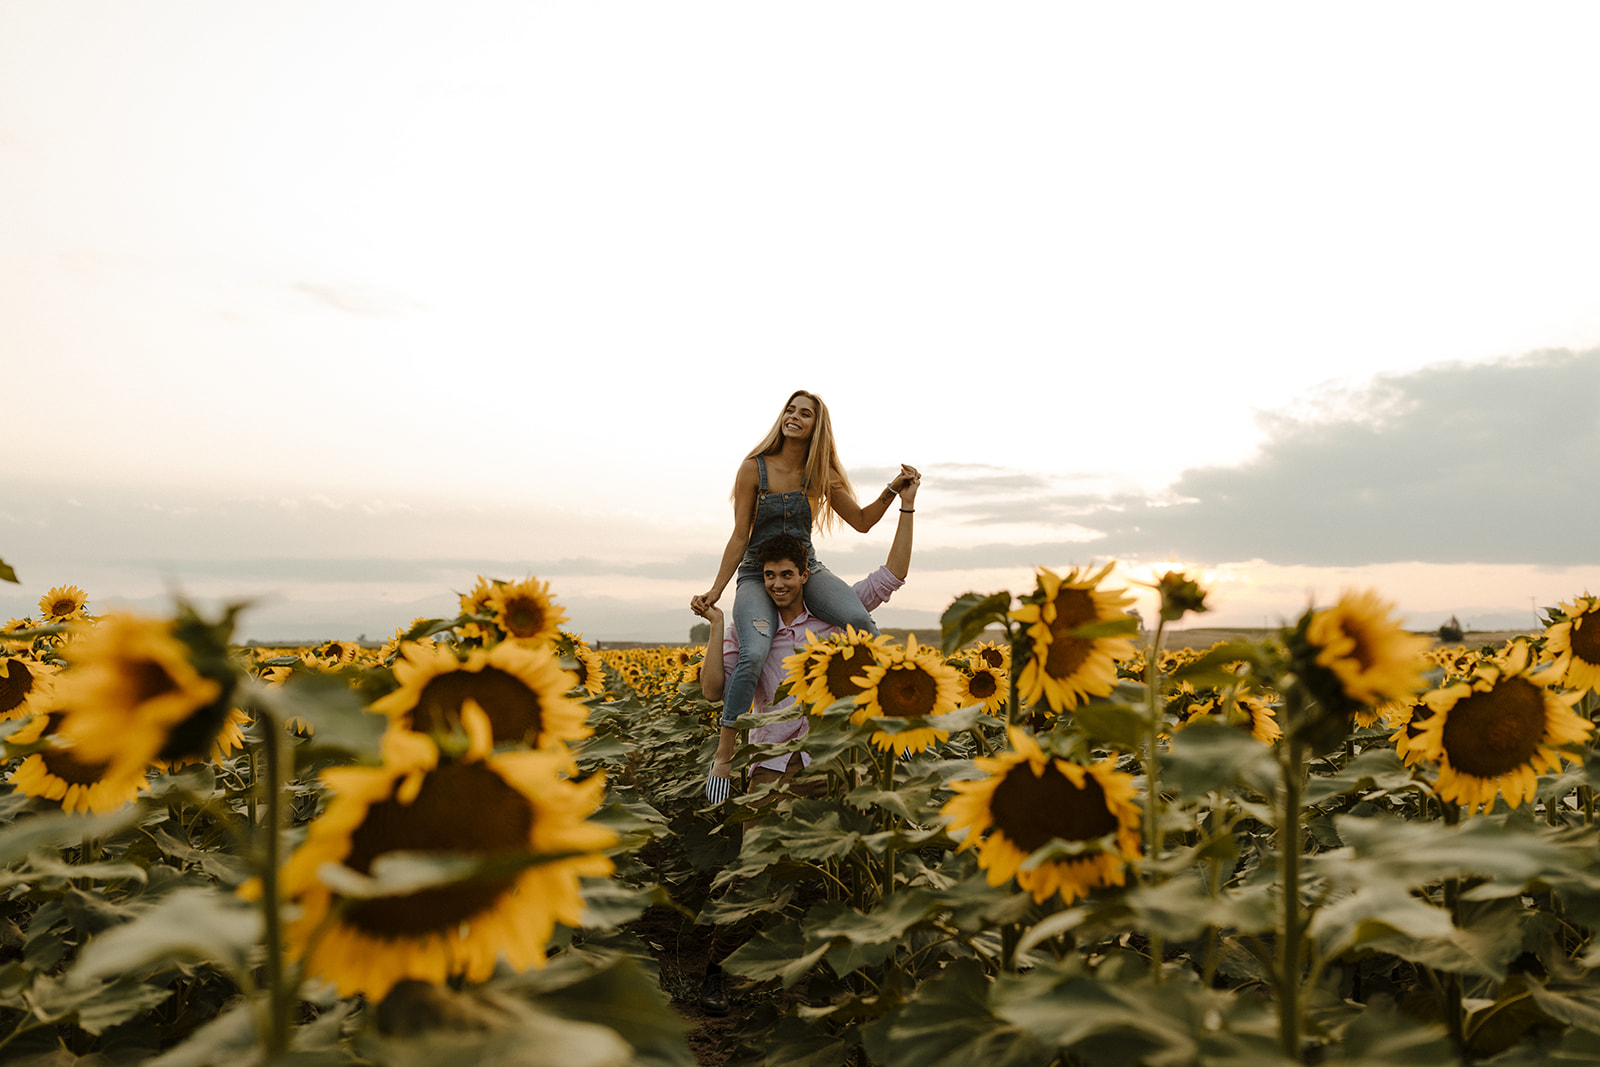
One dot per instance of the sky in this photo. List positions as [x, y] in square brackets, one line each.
[332, 308]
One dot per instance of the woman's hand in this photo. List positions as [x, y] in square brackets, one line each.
[703, 603]
[904, 479]
[908, 495]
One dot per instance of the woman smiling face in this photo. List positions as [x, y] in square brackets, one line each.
[799, 417]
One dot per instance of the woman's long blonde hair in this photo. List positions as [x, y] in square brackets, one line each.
[823, 469]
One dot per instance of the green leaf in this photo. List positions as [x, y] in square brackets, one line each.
[187, 924]
[1148, 1025]
[7, 574]
[59, 828]
[1211, 671]
[968, 616]
[608, 904]
[616, 993]
[1125, 626]
[1208, 757]
[1377, 914]
[96, 1007]
[777, 953]
[1377, 1038]
[1374, 769]
[1387, 849]
[1118, 725]
[948, 1023]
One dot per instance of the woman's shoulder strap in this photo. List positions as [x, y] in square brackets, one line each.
[761, 466]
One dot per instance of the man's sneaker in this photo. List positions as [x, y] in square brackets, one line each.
[714, 993]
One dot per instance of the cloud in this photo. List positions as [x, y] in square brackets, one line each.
[357, 299]
[1486, 463]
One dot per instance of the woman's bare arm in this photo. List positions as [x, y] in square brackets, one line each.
[862, 519]
[744, 507]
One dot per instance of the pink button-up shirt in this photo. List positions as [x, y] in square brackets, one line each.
[873, 590]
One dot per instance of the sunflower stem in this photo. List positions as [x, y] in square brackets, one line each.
[1290, 965]
[1152, 781]
[278, 991]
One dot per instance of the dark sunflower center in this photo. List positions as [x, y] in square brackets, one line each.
[514, 710]
[852, 661]
[148, 680]
[1488, 734]
[982, 685]
[1074, 608]
[462, 808]
[907, 692]
[1362, 653]
[1030, 811]
[196, 736]
[1420, 714]
[16, 682]
[524, 618]
[1584, 638]
[63, 607]
[992, 657]
[65, 764]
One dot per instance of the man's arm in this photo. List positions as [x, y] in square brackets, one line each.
[712, 675]
[713, 679]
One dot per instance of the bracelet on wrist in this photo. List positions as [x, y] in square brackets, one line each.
[908, 511]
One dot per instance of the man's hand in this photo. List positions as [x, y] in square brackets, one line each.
[719, 784]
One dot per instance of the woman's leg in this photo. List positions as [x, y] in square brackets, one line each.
[831, 600]
[755, 620]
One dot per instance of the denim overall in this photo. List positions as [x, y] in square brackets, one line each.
[755, 616]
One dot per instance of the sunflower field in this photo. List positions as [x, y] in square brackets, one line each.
[1048, 841]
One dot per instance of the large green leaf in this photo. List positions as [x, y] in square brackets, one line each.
[1144, 1024]
[1207, 757]
[230, 1038]
[1376, 769]
[7, 574]
[59, 828]
[616, 993]
[1386, 849]
[1377, 1038]
[777, 952]
[1118, 725]
[968, 616]
[1378, 913]
[96, 1007]
[187, 924]
[948, 1023]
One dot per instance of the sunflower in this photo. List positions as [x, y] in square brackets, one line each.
[909, 683]
[993, 654]
[522, 690]
[21, 682]
[1029, 799]
[64, 603]
[57, 773]
[335, 654]
[1372, 659]
[985, 685]
[589, 671]
[229, 739]
[525, 611]
[834, 666]
[1065, 669]
[134, 697]
[1494, 732]
[1573, 637]
[1408, 718]
[1250, 712]
[499, 807]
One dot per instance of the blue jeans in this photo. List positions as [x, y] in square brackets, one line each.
[755, 620]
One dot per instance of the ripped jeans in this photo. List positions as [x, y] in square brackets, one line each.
[755, 620]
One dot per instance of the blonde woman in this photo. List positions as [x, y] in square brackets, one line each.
[788, 480]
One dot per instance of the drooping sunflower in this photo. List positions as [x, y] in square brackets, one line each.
[525, 611]
[1408, 718]
[229, 739]
[134, 698]
[1029, 799]
[1493, 733]
[1065, 669]
[1371, 657]
[909, 683]
[64, 603]
[522, 690]
[1573, 638]
[992, 654]
[22, 683]
[58, 773]
[836, 666]
[498, 807]
[1250, 712]
[986, 685]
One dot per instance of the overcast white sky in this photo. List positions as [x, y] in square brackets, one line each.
[337, 305]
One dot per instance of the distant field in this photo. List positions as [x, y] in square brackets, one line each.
[1194, 637]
